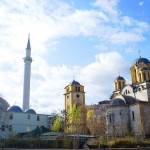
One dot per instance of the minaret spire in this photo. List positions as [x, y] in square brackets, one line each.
[28, 44]
[27, 74]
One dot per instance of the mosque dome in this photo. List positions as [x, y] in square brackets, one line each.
[117, 102]
[14, 109]
[3, 104]
[30, 111]
[120, 78]
[140, 60]
[74, 83]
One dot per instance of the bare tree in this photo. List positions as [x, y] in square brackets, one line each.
[96, 121]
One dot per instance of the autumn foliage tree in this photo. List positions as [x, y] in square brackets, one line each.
[74, 120]
[57, 125]
[96, 121]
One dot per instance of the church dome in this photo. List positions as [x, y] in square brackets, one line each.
[3, 104]
[140, 60]
[74, 83]
[30, 111]
[117, 102]
[120, 78]
[14, 109]
[143, 68]
[129, 99]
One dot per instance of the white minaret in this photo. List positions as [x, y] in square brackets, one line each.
[27, 74]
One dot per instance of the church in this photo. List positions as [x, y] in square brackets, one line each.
[127, 111]
[129, 108]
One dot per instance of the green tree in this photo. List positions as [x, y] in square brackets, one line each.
[74, 119]
[57, 124]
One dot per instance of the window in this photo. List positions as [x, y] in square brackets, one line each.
[10, 128]
[28, 117]
[76, 88]
[79, 89]
[135, 75]
[3, 128]
[140, 77]
[119, 85]
[78, 95]
[110, 118]
[11, 116]
[78, 105]
[38, 118]
[133, 117]
[144, 76]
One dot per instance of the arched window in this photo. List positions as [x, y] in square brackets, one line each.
[144, 76]
[135, 75]
[78, 89]
[78, 104]
[140, 77]
[110, 119]
[119, 85]
[115, 85]
[133, 117]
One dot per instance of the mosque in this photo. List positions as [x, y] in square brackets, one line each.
[15, 120]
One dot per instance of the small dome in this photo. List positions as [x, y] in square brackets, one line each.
[117, 102]
[3, 104]
[14, 109]
[74, 83]
[140, 60]
[30, 111]
[129, 99]
[120, 78]
[143, 68]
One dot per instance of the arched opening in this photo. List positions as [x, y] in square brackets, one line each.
[135, 75]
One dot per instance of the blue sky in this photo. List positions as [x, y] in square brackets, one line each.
[93, 40]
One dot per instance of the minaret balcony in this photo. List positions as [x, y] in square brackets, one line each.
[27, 59]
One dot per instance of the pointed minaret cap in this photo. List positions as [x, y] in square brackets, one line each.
[28, 44]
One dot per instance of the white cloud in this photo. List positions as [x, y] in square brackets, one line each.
[47, 82]
[97, 78]
[109, 7]
[129, 49]
[47, 21]
[141, 3]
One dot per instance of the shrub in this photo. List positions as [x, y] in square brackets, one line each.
[126, 142]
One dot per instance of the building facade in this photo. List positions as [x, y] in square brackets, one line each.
[74, 96]
[130, 103]
[14, 120]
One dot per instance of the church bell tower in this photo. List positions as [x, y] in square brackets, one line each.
[74, 94]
